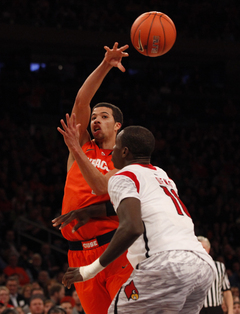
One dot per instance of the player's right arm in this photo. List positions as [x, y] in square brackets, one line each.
[85, 94]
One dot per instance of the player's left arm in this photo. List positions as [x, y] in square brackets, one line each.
[228, 300]
[129, 229]
[97, 181]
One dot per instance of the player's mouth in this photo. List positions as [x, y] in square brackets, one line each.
[96, 130]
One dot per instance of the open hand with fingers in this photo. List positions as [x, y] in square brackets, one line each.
[114, 56]
[70, 132]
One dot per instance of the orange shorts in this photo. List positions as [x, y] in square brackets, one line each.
[97, 293]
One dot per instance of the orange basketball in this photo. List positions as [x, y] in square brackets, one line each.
[153, 34]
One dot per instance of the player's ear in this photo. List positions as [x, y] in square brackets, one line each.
[117, 126]
[125, 152]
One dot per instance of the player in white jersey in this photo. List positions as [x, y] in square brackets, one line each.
[172, 270]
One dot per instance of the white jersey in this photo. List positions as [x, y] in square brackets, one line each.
[167, 223]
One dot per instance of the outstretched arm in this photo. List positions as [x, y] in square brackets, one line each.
[95, 179]
[83, 215]
[81, 108]
[130, 228]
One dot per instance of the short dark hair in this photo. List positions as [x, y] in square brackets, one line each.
[12, 278]
[10, 311]
[117, 113]
[37, 296]
[139, 140]
[56, 287]
[56, 309]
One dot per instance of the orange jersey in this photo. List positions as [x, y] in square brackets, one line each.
[78, 194]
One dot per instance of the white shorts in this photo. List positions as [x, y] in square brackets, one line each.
[166, 283]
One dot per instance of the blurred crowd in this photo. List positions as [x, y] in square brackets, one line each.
[197, 143]
[190, 110]
[196, 19]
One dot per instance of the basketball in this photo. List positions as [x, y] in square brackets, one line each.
[153, 34]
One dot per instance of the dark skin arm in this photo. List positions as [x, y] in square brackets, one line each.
[82, 215]
[130, 228]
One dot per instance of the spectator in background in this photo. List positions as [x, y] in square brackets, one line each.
[35, 266]
[236, 307]
[56, 293]
[16, 299]
[56, 310]
[48, 260]
[221, 285]
[43, 279]
[47, 305]
[235, 291]
[37, 291]
[9, 311]
[78, 309]
[5, 298]
[234, 278]
[27, 292]
[13, 269]
[36, 304]
[68, 304]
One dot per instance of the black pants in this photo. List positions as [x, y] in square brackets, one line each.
[211, 310]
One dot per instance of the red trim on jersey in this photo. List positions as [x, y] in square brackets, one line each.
[132, 176]
[147, 166]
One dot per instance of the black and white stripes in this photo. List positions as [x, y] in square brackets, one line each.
[220, 284]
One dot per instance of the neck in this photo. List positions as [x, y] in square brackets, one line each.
[138, 160]
[105, 144]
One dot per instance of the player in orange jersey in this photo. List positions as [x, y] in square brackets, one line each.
[89, 168]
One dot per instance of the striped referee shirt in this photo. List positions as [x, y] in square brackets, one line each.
[220, 284]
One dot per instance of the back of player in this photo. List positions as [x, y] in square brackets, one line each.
[159, 199]
[168, 255]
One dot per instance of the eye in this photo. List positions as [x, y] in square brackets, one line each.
[93, 118]
[104, 116]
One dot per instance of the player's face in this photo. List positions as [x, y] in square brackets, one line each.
[103, 125]
[117, 154]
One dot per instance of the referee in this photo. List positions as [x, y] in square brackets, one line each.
[220, 287]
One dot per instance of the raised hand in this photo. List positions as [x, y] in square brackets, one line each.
[70, 132]
[114, 56]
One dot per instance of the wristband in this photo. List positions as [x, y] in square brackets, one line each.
[90, 271]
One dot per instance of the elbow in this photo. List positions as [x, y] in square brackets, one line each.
[100, 191]
[134, 232]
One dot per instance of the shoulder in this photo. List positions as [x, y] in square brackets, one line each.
[89, 144]
[125, 177]
[220, 267]
[219, 264]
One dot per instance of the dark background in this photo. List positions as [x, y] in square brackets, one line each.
[189, 98]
